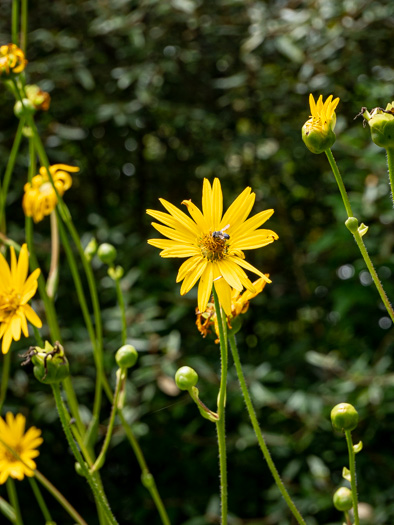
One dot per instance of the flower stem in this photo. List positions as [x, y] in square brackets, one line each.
[339, 180]
[390, 165]
[59, 497]
[4, 378]
[119, 295]
[7, 510]
[24, 25]
[15, 21]
[14, 500]
[220, 424]
[353, 478]
[54, 268]
[40, 499]
[259, 434]
[97, 491]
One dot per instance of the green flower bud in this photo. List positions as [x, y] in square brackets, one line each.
[344, 417]
[78, 469]
[91, 249]
[381, 122]
[147, 480]
[106, 253]
[50, 363]
[126, 356]
[186, 378]
[116, 273]
[317, 141]
[21, 109]
[343, 499]
[351, 224]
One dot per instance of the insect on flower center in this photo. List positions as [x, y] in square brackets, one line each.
[213, 248]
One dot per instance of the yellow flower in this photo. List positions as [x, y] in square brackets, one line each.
[213, 243]
[12, 434]
[16, 289]
[40, 197]
[11, 59]
[318, 132]
[239, 305]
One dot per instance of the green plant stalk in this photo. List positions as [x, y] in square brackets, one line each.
[120, 298]
[40, 499]
[15, 21]
[259, 434]
[24, 17]
[7, 510]
[52, 279]
[353, 478]
[97, 491]
[390, 165]
[152, 488]
[120, 379]
[14, 500]
[8, 172]
[347, 518]
[358, 237]
[5, 375]
[60, 498]
[220, 424]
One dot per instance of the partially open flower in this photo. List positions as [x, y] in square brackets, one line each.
[239, 305]
[318, 131]
[40, 197]
[12, 59]
[381, 122]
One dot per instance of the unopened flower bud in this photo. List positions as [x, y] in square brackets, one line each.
[344, 417]
[318, 132]
[116, 273]
[342, 499]
[91, 249]
[147, 480]
[186, 378]
[23, 107]
[126, 356]
[106, 253]
[50, 363]
[381, 122]
[352, 224]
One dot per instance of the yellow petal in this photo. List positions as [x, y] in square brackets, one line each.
[31, 315]
[193, 276]
[238, 210]
[188, 238]
[197, 216]
[180, 216]
[251, 224]
[217, 203]
[207, 202]
[23, 267]
[226, 269]
[205, 288]
[187, 267]
[254, 240]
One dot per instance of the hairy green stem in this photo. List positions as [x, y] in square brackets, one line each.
[119, 295]
[11, 490]
[40, 499]
[353, 478]
[339, 180]
[259, 434]
[221, 424]
[390, 165]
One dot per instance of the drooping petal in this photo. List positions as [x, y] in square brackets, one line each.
[31, 315]
[187, 267]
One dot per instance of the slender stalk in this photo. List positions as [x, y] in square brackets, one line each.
[220, 424]
[339, 180]
[8, 172]
[97, 491]
[60, 498]
[4, 378]
[7, 510]
[24, 12]
[14, 500]
[119, 295]
[54, 268]
[15, 21]
[259, 434]
[353, 478]
[390, 165]
[40, 499]
[347, 518]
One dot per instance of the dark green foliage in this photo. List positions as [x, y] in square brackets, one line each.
[148, 98]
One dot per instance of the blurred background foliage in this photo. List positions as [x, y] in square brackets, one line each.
[148, 98]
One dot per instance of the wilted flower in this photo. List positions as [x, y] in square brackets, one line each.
[39, 98]
[318, 131]
[40, 197]
[12, 59]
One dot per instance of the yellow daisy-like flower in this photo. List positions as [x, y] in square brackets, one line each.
[239, 305]
[16, 289]
[11, 59]
[213, 243]
[40, 197]
[13, 436]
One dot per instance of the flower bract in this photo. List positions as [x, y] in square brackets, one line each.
[40, 196]
[11, 59]
[16, 290]
[17, 447]
[213, 243]
[318, 131]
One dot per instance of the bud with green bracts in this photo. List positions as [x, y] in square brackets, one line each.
[50, 363]
[342, 499]
[344, 417]
[381, 123]
[186, 378]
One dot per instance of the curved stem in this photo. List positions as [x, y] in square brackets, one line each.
[353, 478]
[4, 378]
[339, 180]
[259, 434]
[220, 424]
[14, 500]
[40, 499]
[7, 510]
[97, 491]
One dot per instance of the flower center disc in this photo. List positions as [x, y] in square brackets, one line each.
[213, 248]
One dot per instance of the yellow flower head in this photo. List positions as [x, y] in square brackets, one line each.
[40, 197]
[239, 305]
[16, 289]
[11, 59]
[318, 132]
[213, 243]
[14, 439]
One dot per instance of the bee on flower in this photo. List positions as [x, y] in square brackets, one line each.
[213, 243]
[40, 197]
[318, 131]
[12, 59]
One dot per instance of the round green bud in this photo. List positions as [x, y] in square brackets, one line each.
[126, 356]
[317, 141]
[91, 249]
[50, 363]
[344, 417]
[342, 499]
[21, 109]
[186, 378]
[352, 224]
[147, 480]
[106, 253]
[382, 129]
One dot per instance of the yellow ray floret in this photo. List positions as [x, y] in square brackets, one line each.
[16, 290]
[213, 243]
[12, 59]
[13, 439]
[322, 114]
